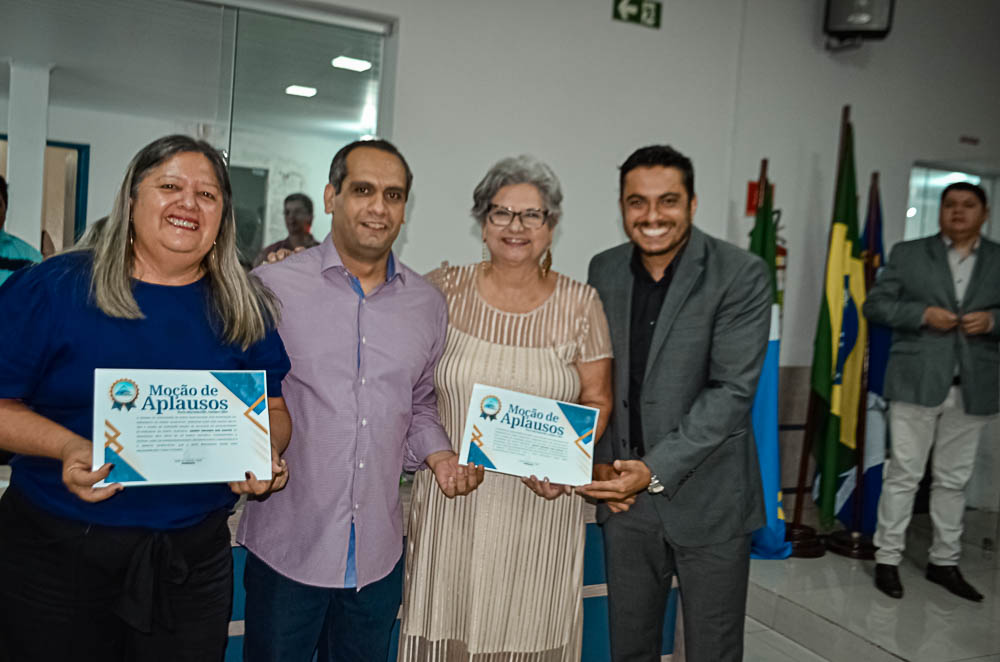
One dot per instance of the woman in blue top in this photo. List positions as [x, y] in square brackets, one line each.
[143, 573]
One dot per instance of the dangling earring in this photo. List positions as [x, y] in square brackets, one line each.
[546, 264]
[486, 252]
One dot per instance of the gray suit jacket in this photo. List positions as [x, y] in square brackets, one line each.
[922, 360]
[701, 377]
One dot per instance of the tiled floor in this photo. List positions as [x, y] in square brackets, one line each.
[762, 644]
[830, 606]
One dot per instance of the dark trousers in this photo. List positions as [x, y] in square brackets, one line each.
[287, 621]
[640, 563]
[74, 591]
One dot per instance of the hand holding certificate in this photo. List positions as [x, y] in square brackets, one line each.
[525, 435]
[162, 427]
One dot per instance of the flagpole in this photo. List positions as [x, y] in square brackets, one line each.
[805, 542]
[854, 543]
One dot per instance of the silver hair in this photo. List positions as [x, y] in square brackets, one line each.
[523, 169]
[244, 308]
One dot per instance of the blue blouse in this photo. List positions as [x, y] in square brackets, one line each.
[54, 336]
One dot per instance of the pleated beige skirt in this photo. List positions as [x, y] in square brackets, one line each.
[497, 575]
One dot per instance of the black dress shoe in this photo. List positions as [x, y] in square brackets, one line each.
[887, 580]
[950, 577]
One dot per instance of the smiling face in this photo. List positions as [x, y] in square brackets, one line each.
[176, 213]
[656, 210]
[962, 215]
[369, 210]
[515, 244]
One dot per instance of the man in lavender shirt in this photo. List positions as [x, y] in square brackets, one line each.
[364, 334]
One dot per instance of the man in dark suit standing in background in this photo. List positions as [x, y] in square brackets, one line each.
[677, 467]
[941, 297]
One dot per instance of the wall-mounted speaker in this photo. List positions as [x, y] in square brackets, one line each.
[858, 19]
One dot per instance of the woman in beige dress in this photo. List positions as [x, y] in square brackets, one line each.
[497, 575]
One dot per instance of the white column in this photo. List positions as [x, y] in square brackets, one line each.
[27, 128]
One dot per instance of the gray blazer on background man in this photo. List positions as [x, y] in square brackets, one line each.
[941, 297]
[701, 378]
[922, 360]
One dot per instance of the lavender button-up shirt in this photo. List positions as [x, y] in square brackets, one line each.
[361, 397]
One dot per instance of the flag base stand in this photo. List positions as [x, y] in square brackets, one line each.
[805, 543]
[851, 544]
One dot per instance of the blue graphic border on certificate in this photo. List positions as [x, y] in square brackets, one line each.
[247, 386]
[476, 454]
[583, 422]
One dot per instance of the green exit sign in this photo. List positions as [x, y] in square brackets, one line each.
[642, 12]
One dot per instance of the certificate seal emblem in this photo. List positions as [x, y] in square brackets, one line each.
[490, 407]
[124, 393]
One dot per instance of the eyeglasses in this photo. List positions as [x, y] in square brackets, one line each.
[531, 219]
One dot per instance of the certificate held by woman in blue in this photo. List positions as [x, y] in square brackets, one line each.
[524, 435]
[169, 427]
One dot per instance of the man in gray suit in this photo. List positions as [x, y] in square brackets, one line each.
[941, 297]
[677, 466]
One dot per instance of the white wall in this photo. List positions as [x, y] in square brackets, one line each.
[912, 96]
[725, 82]
[478, 81]
[114, 139]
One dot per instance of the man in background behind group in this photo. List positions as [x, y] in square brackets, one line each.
[941, 297]
[298, 222]
[14, 253]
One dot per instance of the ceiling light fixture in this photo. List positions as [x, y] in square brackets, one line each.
[350, 63]
[300, 91]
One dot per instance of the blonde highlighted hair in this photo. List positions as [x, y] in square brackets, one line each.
[244, 307]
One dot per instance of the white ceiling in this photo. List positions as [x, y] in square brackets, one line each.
[174, 59]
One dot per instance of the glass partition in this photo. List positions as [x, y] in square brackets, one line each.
[280, 95]
[123, 74]
[301, 91]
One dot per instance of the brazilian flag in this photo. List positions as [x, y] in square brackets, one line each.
[838, 350]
